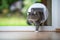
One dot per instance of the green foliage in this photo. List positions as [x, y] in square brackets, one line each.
[27, 3]
[6, 3]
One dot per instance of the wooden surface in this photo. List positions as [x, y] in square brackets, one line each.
[57, 29]
[29, 36]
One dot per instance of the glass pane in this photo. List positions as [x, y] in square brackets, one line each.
[14, 12]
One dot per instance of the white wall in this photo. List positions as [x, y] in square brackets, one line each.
[54, 13]
[58, 14]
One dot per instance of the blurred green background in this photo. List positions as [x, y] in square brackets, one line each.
[15, 17]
